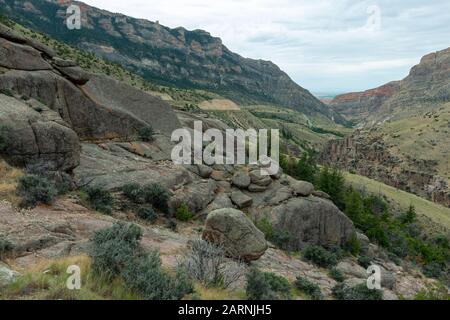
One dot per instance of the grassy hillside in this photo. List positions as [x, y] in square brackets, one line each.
[435, 212]
[421, 136]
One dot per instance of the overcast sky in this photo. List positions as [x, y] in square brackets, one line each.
[326, 46]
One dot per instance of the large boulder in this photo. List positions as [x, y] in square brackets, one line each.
[302, 188]
[232, 229]
[17, 56]
[311, 220]
[259, 179]
[196, 196]
[7, 276]
[88, 119]
[255, 188]
[37, 135]
[127, 100]
[112, 166]
[241, 179]
[75, 74]
[96, 107]
[241, 200]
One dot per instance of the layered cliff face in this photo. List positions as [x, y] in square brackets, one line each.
[368, 154]
[357, 106]
[426, 87]
[177, 56]
[404, 136]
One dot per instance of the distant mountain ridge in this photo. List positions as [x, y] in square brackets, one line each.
[404, 136]
[192, 59]
[426, 86]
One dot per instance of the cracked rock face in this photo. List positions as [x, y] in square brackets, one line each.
[310, 220]
[231, 229]
[37, 135]
[49, 104]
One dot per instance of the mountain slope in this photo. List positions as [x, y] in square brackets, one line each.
[404, 137]
[425, 88]
[192, 59]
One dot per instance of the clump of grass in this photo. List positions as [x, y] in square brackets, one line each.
[5, 246]
[7, 92]
[309, 288]
[267, 286]
[336, 274]
[153, 194]
[4, 140]
[182, 213]
[358, 292]
[8, 182]
[100, 199]
[116, 253]
[147, 134]
[320, 256]
[47, 281]
[147, 213]
[35, 189]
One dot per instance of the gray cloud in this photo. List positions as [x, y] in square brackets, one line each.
[324, 45]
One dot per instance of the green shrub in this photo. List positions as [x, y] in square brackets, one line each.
[265, 227]
[182, 213]
[5, 247]
[133, 192]
[116, 253]
[145, 275]
[281, 238]
[112, 248]
[304, 169]
[358, 292]
[331, 181]
[61, 181]
[442, 241]
[309, 288]
[35, 189]
[433, 292]
[172, 224]
[352, 245]
[364, 261]
[147, 213]
[7, 92]
[3, 138]
[433, 270]
[336, 275]
[146, 134]
[157, 195]
[320, 256]
[409, 216]
[100, 199]
[266, 286]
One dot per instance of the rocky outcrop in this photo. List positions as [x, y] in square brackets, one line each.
[239, 237]
[197, 196]
[311, 220]
[241, 200]
[49, 104]
[177, 56]
[34, 136]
